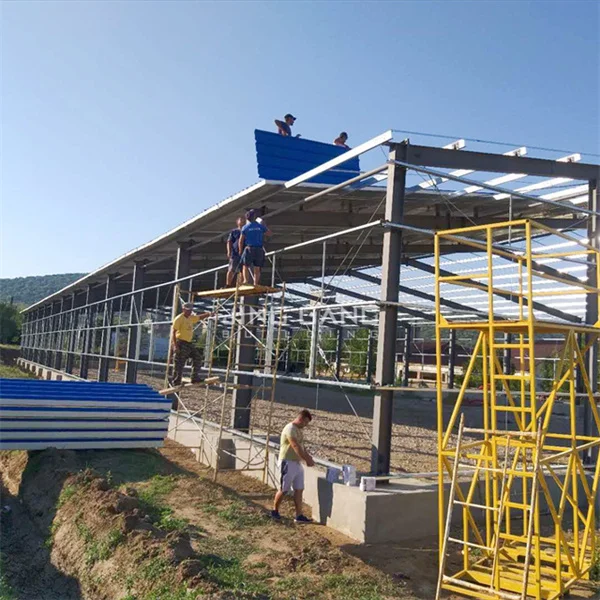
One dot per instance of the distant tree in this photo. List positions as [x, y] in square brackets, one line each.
[10, 323]
[27, 290]
[357, 345]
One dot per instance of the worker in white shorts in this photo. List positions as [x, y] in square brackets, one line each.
[291, 453]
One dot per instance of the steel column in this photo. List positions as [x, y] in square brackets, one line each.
[72, 336]
[451, 358]
[314, 344]
[408, 337]
[591, 312]
[388, 314]
[135, 310]
[338, 352]
[60, 317]
[370, 356]
[507, 355]
[88, 335]
[104, 362]
[245, 356]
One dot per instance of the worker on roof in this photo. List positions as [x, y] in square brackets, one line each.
[182, 345]
[285, 127]
[233, 251]
[251, 247]
[341, 140]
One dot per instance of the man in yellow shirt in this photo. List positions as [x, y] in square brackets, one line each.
[291, 452]
[181, 343]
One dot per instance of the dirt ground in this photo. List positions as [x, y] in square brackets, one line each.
[152, 525]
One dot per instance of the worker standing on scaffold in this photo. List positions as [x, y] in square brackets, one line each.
[251, 247]
[233, 252]
[181, 342]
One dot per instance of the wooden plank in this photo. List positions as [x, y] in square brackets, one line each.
[178, 388]
[242, 290]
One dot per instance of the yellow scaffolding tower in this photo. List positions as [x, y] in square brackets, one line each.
[267, 340]
[505, 475]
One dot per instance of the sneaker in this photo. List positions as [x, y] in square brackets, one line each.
[275, 515]
[197, 380]
[174, 382]
[302, 519]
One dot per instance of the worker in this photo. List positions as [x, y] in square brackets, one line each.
[285, 127]
[233, 251]
[341, 140]
[291, 453]
[181, 343]
[251, 247]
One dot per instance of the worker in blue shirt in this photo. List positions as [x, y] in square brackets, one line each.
[285, 127]
[251, 247]
[233, 251]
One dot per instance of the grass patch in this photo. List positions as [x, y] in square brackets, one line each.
[95, 549]
[228, 573]
[595, 571]
[151, 499]
[7, 372]
[51, 533]
[66, 494]
[350, 587]
[133, 466]
[237, 515]
[338, 586]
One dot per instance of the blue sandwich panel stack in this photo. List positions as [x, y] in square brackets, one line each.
[80, 415]
[282, 158]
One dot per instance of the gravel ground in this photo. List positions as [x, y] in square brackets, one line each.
[340, 438]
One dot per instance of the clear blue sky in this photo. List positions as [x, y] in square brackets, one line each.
[120, 120]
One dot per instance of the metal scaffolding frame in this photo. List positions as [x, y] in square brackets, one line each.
[505, 552]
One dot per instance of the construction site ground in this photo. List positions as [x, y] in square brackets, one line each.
[339, 436]
[152, 525]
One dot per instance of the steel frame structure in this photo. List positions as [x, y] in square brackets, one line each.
[505, 552]
[95, 319]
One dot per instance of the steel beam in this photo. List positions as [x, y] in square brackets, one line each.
[430, 156]
[506, 296]
[417, 293]
[135, 310]
[388, 315]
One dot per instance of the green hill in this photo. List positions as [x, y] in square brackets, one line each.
[27, 290]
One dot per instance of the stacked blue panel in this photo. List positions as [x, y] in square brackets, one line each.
[281, 158]
[82, 415]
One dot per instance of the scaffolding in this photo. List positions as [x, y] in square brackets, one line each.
[242, 324]
[521, 461]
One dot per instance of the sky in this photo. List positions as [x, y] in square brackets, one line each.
[121, 120]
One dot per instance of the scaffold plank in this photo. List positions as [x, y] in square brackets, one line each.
[242, 290]
[178, 388]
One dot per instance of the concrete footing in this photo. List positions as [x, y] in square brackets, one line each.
[46, 373]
